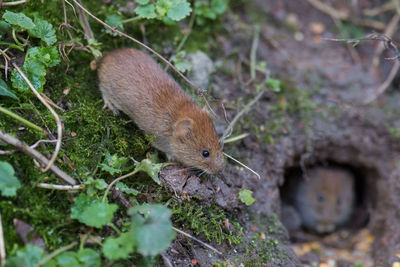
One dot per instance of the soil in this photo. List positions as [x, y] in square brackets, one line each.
[338, 130]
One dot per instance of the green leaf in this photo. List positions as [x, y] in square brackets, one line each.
[81, 202]
[114, 20]
[219, 6]
[26, 257]
[9, 184]
[151, 228]
[274, 84]
[245, 197]
[115, 164]
[119, 248]
[4, 26]
[18, 19]
[89, 258]
[142, 2]
[179, 10]
[31, 70]
[152, 169]
[46, 55]
[67, 259]
[125, 189]
[5, 90]
[180, 61]
[43, 30]
[98, 214]
[162, 7]
[146, 11]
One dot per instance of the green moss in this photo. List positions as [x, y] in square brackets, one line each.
[207, 222]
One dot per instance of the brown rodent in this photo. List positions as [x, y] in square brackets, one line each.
[131, 81]
[325, 199]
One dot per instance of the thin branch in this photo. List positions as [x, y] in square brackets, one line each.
[58, 121]
[246, 109]
[42, 141]
[61, 187]
[253, 52]
[2, 245]
[14, 3]
[36, 155]
[197, 240]
[117, 180]
[243, 165]
[382, 88]
[56, 253]
[113, 29]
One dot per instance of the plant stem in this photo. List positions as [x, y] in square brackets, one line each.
[22, 120]
[117, 180]
[131, 19]
[55, 253]
[12, 46]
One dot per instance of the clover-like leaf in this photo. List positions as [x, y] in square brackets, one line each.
[5, 90]
[18, 19]
[120, 247]
[34, 71]
[115, 20]
[219, 6]
[81, 202]
[9, 184]
[245, 197]
[43, 30]
[146, 11]
[151, 228]
[67, 259]
[179, 10]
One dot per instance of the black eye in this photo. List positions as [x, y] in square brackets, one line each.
[205, 153]
[321, 198]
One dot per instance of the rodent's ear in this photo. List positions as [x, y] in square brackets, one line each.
[183, 127]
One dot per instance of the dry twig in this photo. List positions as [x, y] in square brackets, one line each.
[61, 187]
[14, 3]
[36, 155]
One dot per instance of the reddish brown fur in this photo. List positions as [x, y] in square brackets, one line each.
[132, 82]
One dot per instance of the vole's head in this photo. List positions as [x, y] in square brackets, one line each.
[195, 143]
[326, 199]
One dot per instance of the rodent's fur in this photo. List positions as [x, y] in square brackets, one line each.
[131, 81]
[325, 199]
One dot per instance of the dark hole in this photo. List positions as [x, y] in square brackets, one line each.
[293, 217]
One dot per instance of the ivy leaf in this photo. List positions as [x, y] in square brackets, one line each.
[9, 184]
[43, 30]
[151, 228]
[152, 169]
[245, 197]
[146, 11]
[46, 55]
[125, 189]
[179, 10]
[98, 214]
[5, 90]
[162, 7]
[120, 247]
[26, 257]
[18, 19]
[114, 164]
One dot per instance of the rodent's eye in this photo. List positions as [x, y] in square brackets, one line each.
[205, 153]
[320, 198]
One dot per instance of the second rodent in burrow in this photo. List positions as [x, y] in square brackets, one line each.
[131, 81]
[325, 199]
